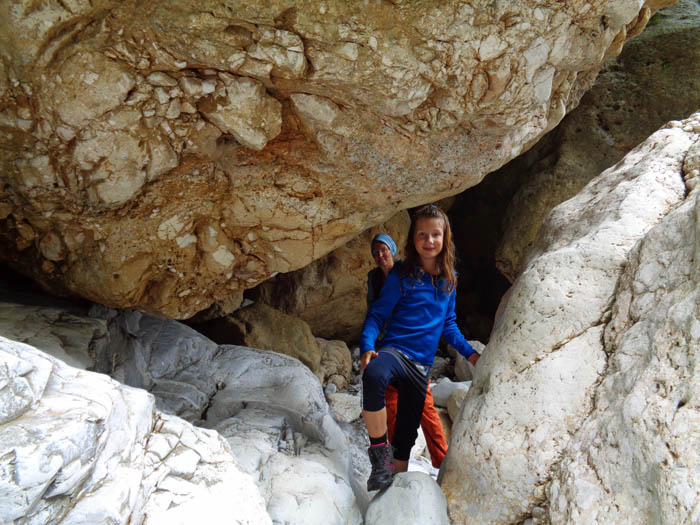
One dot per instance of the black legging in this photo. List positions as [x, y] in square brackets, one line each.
[395, 369]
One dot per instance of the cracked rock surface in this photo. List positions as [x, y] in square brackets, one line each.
[166, 156]
[269, 408]
[636, 457]
[538, 380]
[78, 447]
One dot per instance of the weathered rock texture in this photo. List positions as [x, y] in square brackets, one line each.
[77, 447]
[163, 155]
[331, 293]
[413, 497]
[72, 337]
[536, 382]
[261, 326]
[647, 412]
[655, 79]
[273, 413]
[270, 408]
[336, 362]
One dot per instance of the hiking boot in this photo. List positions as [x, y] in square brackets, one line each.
[382, 466]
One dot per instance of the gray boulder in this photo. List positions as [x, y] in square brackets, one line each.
[413, 497]
[78, 447]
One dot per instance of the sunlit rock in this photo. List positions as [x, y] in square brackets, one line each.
[288, 130]
[78, 447]
[535, 384]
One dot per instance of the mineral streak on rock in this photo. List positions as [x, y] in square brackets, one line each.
[128, 129]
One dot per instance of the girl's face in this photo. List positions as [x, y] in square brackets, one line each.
[382, 256]
[428, 237]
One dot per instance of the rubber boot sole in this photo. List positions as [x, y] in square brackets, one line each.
[379, 482]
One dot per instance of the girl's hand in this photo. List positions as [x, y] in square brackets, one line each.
[366, 358]
[473, 358]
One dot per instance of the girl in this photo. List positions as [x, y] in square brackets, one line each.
[417, 304]
[383, 249]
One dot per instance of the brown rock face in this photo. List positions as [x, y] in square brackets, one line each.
[336, 362]
[331, 293]
[260, 326]
[163, 155]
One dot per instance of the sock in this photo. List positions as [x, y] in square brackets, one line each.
[378, 441]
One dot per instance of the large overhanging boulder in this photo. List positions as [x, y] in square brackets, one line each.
[163, 155]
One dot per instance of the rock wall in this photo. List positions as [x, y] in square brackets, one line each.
[655, 79]
[647, 414]
[537, 381]
[331, 293]
[165, 156]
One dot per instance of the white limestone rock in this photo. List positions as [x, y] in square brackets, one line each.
[413, 497]
[197, 479]
[80, 448]
[345, 406]
[272, 410]
[286, 425]
[287, 429]
[300, 481]
[167, 358]
[77, 340]
[535, 383]
[245, 376]
[358, 443]
[442, 390]
[636, 459]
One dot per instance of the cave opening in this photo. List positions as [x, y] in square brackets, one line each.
[476, 216]
[20, 289]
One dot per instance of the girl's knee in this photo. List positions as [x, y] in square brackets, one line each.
[374, 384]
[373, 373]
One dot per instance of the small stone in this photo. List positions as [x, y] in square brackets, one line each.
[158, 78]
[52, 247]
[174, 109]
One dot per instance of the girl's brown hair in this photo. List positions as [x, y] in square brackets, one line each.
[445, 259]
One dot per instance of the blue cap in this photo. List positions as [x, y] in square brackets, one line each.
[385, 239]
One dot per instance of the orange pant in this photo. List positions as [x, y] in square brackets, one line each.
[430, 423]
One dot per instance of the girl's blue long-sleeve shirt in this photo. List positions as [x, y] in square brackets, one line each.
[416, 314]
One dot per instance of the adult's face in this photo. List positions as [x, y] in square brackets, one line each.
[382, 256]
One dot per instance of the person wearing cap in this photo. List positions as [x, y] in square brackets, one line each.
[383, 249]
